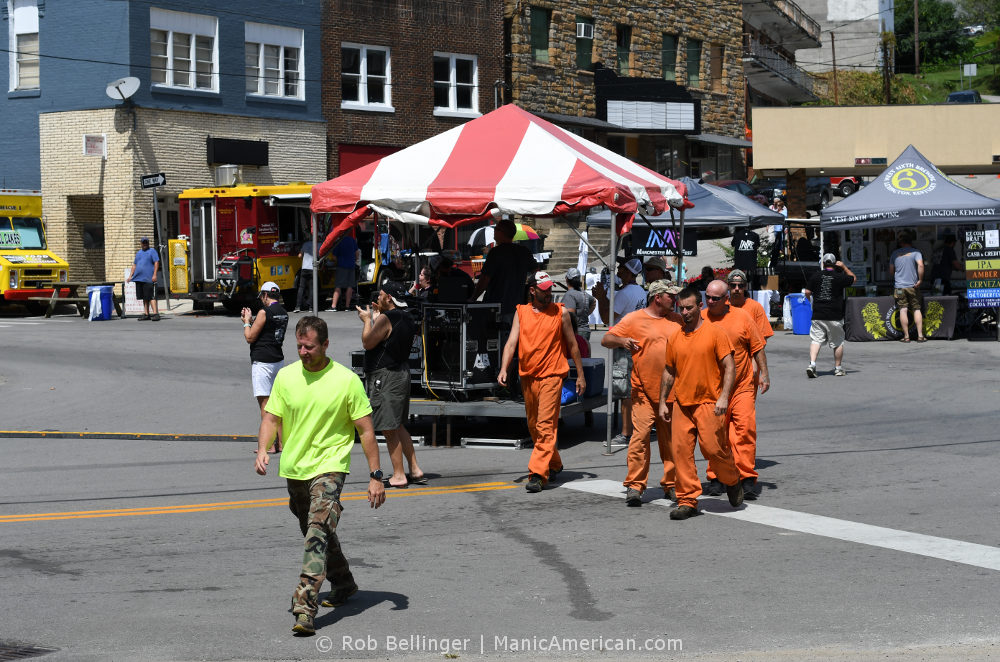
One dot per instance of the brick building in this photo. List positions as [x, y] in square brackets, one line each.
[396, 72]
[248, 73]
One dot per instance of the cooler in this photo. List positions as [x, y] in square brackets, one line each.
[101, 299]
[593, 372]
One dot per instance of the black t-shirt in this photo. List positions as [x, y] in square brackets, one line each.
[394, 351]
[508, 266]
[267, 347]
[943, 268]
[827, 287]
[746, 242]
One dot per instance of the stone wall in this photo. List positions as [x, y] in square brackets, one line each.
[167, 141]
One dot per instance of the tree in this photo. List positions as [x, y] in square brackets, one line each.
[941, 38]
[979, 11]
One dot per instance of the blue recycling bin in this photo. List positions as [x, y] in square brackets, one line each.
[101, 296]
[801, 314]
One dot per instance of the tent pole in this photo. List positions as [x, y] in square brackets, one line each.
[610, 322]
[315, 278]
[680, 247]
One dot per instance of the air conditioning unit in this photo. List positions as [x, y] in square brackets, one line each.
[584, 30]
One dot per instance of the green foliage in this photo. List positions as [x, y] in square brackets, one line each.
[864, 88]
[941, 38]
[974, 12]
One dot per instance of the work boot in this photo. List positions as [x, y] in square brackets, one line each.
[633, 498]
[735, 494]
[339, 596]
[534, 484]
[670, 494]
[304, 625]
[683, 512]
[714, 487]
[748, 493]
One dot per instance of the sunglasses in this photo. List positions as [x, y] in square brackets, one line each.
[711, 298]
[737, 286]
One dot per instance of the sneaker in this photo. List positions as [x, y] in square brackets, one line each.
[670, 494]
[339, 596]
[155, 318]
[144, 318]
[683, 512]
[534, 484]
[748, 493]
[714, 487]
[633, 498]
[735, 494]
[839, 371]
[304, 625]
[811, 371]
[619, 440]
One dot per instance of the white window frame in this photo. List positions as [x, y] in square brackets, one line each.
[193, 25]
[362, 103]
[23, 20]
[282, 38]
[452, 110]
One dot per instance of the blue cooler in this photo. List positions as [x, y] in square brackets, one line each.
[101, 302]
[593, 372]
[801, 314]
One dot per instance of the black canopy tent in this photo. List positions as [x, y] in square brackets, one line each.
[910, 192]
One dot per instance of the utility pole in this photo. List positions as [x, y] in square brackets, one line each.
[833, 48]
[886, 68]
[916, 38]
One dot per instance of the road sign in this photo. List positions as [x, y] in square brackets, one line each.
[152, 181]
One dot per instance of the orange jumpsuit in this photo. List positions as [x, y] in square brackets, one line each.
[741, 418]
[652, 334]
[694, 360]
[542, 366]
[758, 315]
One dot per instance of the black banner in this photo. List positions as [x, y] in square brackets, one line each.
[661, 241]
[877, 318]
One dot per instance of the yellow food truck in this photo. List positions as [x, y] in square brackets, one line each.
[27, 266]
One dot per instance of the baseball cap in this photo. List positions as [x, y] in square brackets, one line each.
[736, 273]
[663, 286]
[829, 258]
[634, 265]
[144, 240]
[270, 287]
[543, 280]
[396, 292]
[655, 262]
[572, 274]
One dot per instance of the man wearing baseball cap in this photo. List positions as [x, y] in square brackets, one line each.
[143, 274]
[578, 303]
[738, 284]
[541, 333]
[387, 336]
[826, 288]
[654, 269]
[265, 336]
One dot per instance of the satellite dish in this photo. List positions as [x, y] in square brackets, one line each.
[122, 88]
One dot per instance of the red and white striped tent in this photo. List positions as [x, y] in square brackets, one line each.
[506, 162]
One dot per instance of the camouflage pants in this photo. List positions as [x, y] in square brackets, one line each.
[316, 503]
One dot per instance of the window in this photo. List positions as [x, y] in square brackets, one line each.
[24, 74]
[584, 44]
[456, 79]
[365, 77]
[540, 20]
[693, 62]
[273, 65]
[718, 57]
[669, 55]
[182, 50]
[623, 44]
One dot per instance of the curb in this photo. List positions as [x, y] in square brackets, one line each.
[132, 436]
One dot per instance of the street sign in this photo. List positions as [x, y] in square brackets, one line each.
[152, 181]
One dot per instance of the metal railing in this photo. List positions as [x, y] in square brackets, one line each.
[797, 16]
[776, 62]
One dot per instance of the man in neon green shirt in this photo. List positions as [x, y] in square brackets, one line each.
[318, 405]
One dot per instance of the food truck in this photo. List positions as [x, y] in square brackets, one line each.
[26, 263]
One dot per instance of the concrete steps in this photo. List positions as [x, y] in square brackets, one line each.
[564, 245]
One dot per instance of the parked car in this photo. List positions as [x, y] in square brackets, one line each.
[972, 30]
[818, 192]
[965, 96]
[845, 185]
[741, 186]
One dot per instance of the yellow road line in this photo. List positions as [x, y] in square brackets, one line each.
[235, 505]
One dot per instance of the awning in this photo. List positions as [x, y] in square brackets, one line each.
[719, 140]
[575, 120]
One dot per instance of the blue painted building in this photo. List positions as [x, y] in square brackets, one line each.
[253, 58]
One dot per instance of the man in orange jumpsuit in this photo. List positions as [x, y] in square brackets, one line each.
[699, 371]
[738, 298]
[541, 333]
[741, 422]
[645, 334]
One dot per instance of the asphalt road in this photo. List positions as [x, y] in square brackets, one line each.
[177, 550]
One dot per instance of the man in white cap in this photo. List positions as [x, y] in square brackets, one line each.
[827, 291]
[628, 298]
[578, 303]
[541, 334]
[265, 334]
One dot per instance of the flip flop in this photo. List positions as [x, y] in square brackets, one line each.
[921, 339]
[398, 487]
[904, 340]
[419, 480]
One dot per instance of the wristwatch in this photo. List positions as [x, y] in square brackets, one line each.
[377, 474]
